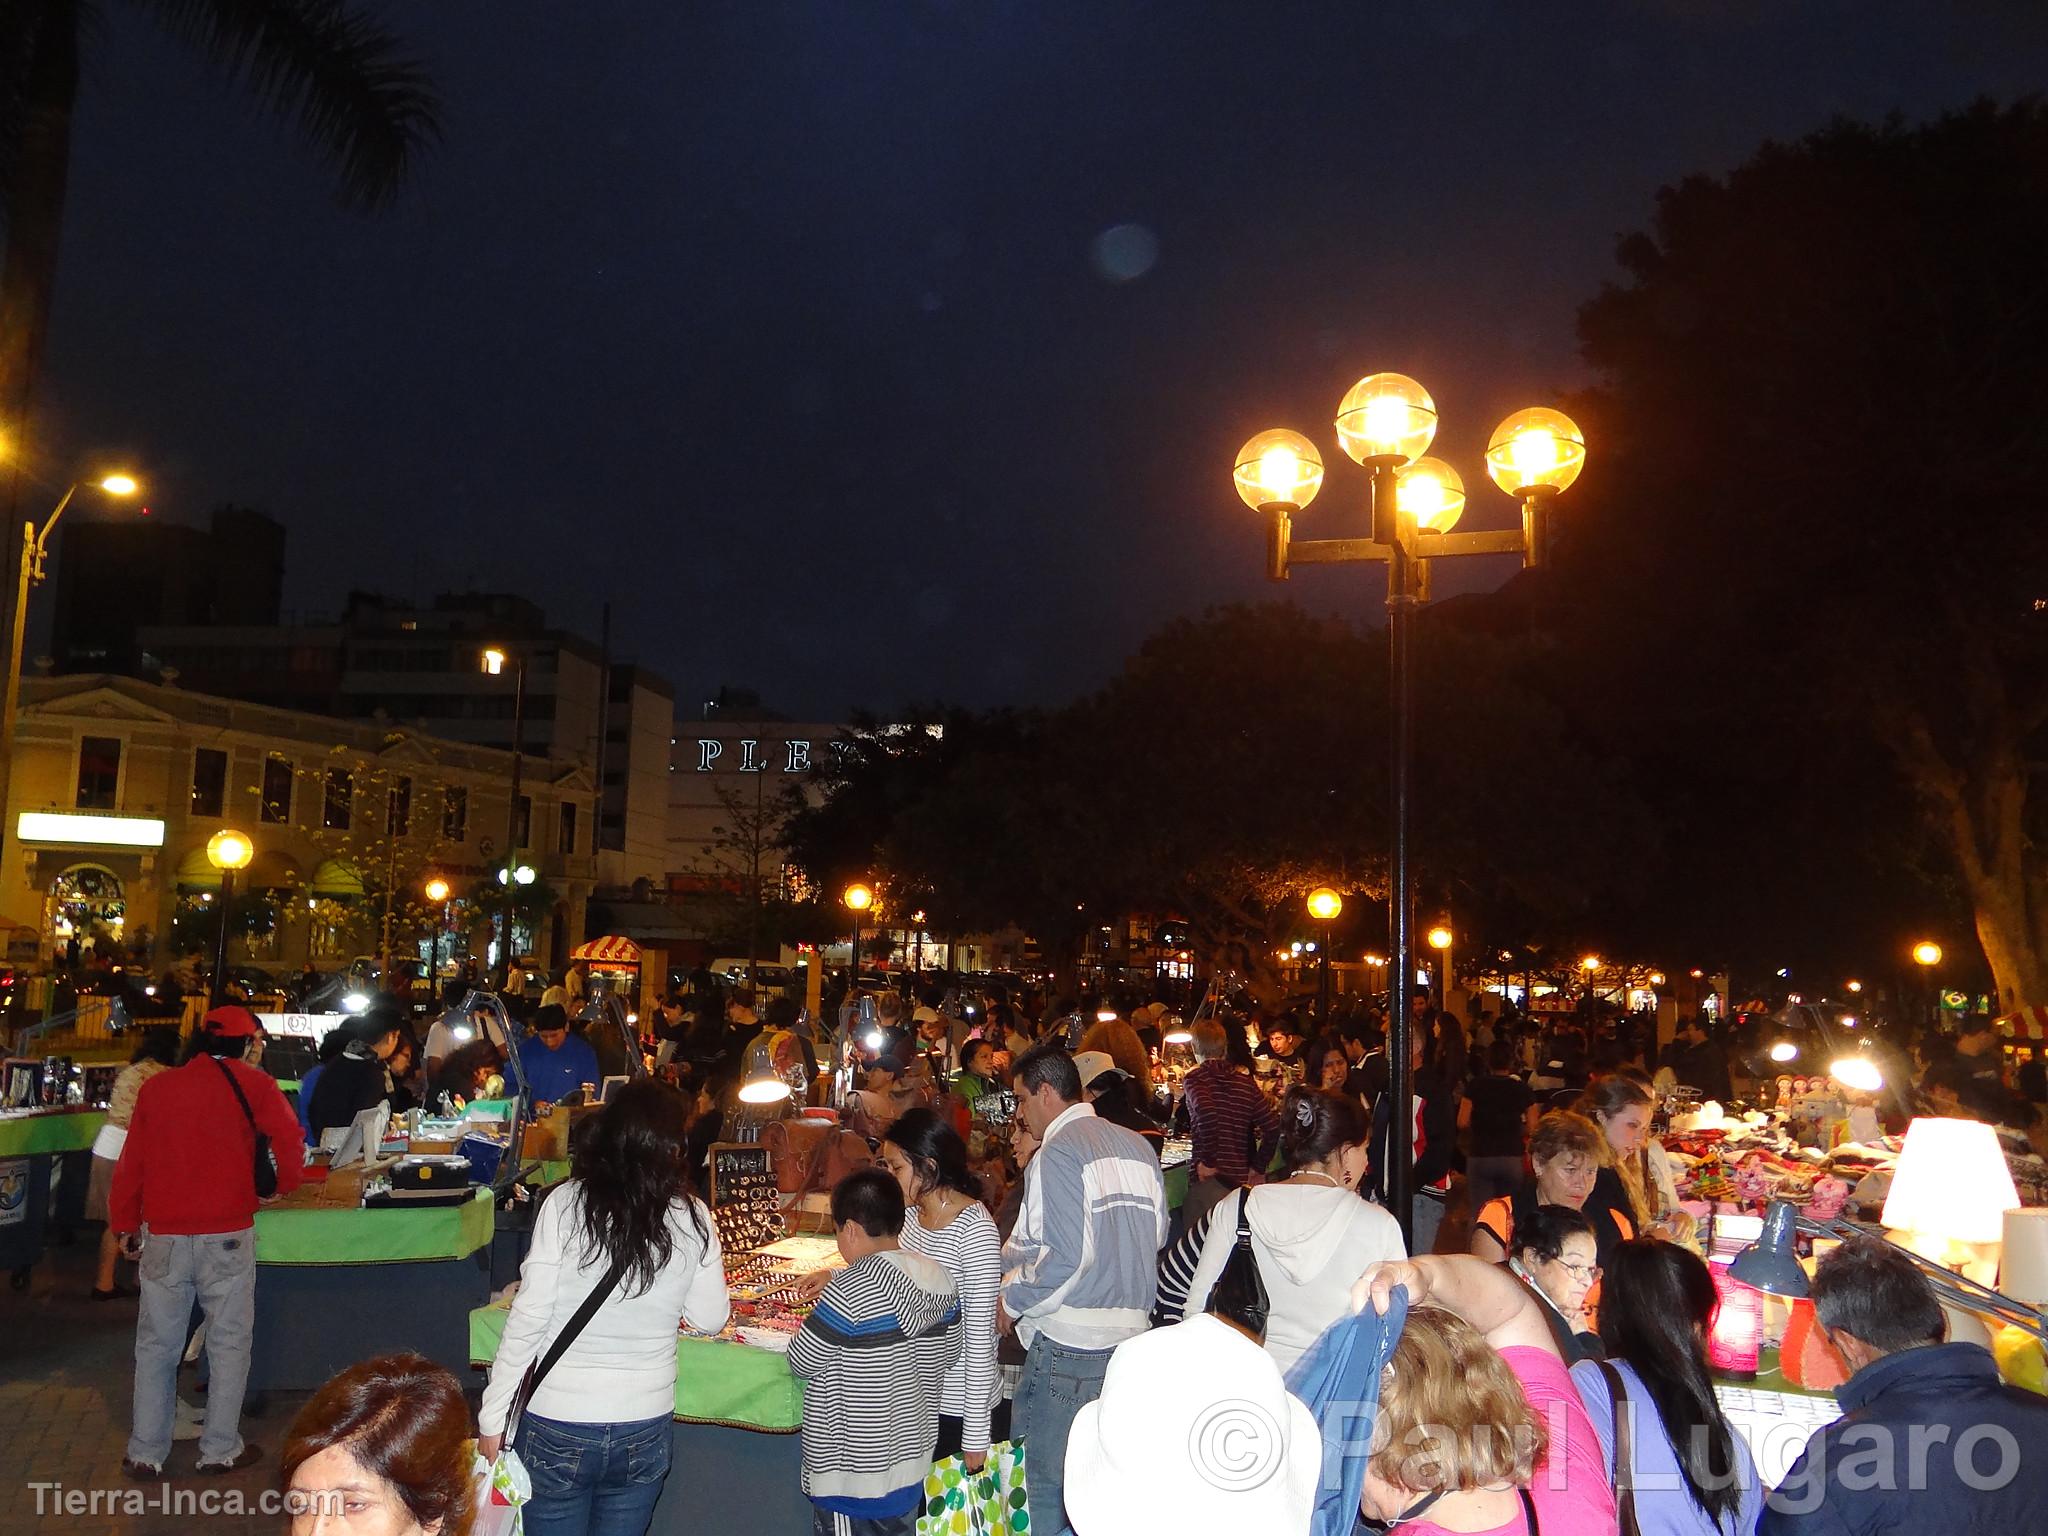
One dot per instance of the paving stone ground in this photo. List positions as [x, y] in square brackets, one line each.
[66, 1365]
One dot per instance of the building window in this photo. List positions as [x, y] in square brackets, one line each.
[341, 793]
[522, 823]
[277, 790]
[99, 772]
[455, 814]
[209, 781]
[566, 839]
[398, 809]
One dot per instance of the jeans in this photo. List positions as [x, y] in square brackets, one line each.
[1057, 1381]
[1426, 1214]
[825, 1523]
[218, 1270]
[593, 1479]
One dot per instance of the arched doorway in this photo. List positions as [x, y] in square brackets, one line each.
[86, 903]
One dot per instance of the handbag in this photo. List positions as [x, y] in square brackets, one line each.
[265, 1169]
[1624, 1454]
[1239, 1294]
[537, 1370]
[990, 1502]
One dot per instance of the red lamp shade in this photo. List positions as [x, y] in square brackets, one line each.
[1736, 1343]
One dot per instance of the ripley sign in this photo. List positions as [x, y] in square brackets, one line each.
[796, 755]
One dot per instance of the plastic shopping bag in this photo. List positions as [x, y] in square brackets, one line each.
[990, 1502]
[502, 1489]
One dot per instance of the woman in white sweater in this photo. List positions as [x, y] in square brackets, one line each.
[947, 1222]
[1312, 1233]
[595, 1436]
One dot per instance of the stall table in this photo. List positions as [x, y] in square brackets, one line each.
[738, 1463]
[336, 1284]
[35, 1150]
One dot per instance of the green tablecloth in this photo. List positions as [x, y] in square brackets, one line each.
[717, 1381]
[340, 1234]
[61, 1130]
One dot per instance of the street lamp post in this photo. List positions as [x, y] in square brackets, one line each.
[858, 899]
[35, 544]
[1927, 955]
[437, 895]
[1324, 905]
[494, 662]
[1440, 941]
[1385, 423]
[227, 851]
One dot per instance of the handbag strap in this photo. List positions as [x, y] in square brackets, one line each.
[240, 1097]
[1624, 1451]
[582, 1317]
[1244, 1225]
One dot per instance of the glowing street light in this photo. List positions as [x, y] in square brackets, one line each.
[35, 548]
[1323, 905]
[857, 899]
[1854, 986]
[1386, 423]
[1590, 964]
[227, 851]
[437, 893]
[1927, 952]
[1439, 938]
[493, 659]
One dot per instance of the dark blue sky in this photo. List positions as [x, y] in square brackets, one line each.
[790, 327]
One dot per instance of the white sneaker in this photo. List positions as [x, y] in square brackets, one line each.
[188, 1422]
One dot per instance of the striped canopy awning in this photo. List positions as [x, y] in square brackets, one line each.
[609, 950]
[2028, 1023]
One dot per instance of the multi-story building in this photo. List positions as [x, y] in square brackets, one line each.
[118, 784]
[390, 661]
[726, 780]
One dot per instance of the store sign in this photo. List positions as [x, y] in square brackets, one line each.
[87, 831]
[754, 756]
[305, 1026]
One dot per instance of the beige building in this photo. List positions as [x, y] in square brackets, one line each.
[118, 784]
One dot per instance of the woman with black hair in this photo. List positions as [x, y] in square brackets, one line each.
[1688, 1473]
[595, 1435]
[1555, 1256]
[948, 1223]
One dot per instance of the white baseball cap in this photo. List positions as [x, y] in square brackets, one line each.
[1194, 1433]
[1092, 1064]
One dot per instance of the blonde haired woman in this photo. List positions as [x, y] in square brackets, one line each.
[1480, 1427]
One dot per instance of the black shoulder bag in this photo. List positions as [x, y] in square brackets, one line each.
[537, 1370]
[1239, 1294]
[265, 1168]
[1624, 1453]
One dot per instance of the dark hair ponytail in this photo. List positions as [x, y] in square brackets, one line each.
[1314, 1124]
[1654, 1313]
[631, 1169]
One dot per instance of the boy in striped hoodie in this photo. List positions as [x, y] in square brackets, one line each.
[873, 1357]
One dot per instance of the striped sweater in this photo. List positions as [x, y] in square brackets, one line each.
[873, 1357]
[973, 1255]
[1082, 1263]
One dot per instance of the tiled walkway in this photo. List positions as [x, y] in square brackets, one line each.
[65, 1366]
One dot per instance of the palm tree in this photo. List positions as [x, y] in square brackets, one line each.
[333, 71]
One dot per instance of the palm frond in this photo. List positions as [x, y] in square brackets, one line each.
[334, 69]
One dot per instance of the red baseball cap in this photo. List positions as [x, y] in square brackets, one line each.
[233, 1022]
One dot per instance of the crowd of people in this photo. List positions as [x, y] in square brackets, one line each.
[1546, 1340]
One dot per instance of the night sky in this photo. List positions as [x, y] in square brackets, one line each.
[873, 352]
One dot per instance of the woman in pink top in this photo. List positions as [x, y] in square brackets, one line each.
[1480, 1429]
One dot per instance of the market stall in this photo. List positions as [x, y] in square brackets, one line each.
[42, 1148]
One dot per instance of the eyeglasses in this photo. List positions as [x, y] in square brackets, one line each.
[1586, 1272]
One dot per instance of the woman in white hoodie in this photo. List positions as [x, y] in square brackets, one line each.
[1312, 1232]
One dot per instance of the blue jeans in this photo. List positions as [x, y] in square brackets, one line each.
[593, 1479]
[1057, 1381]
[218, 1271]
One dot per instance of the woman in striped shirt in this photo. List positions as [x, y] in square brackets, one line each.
[948, 1223]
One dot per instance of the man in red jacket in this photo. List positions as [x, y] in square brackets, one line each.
[186, 1181]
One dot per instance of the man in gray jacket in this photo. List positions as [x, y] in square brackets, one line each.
[1081, 1268]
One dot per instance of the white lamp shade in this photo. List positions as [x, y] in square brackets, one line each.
[2023, 1265]
[1951, 1182]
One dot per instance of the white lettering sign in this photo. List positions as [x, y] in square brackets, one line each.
[709, 750]
[799, 758]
